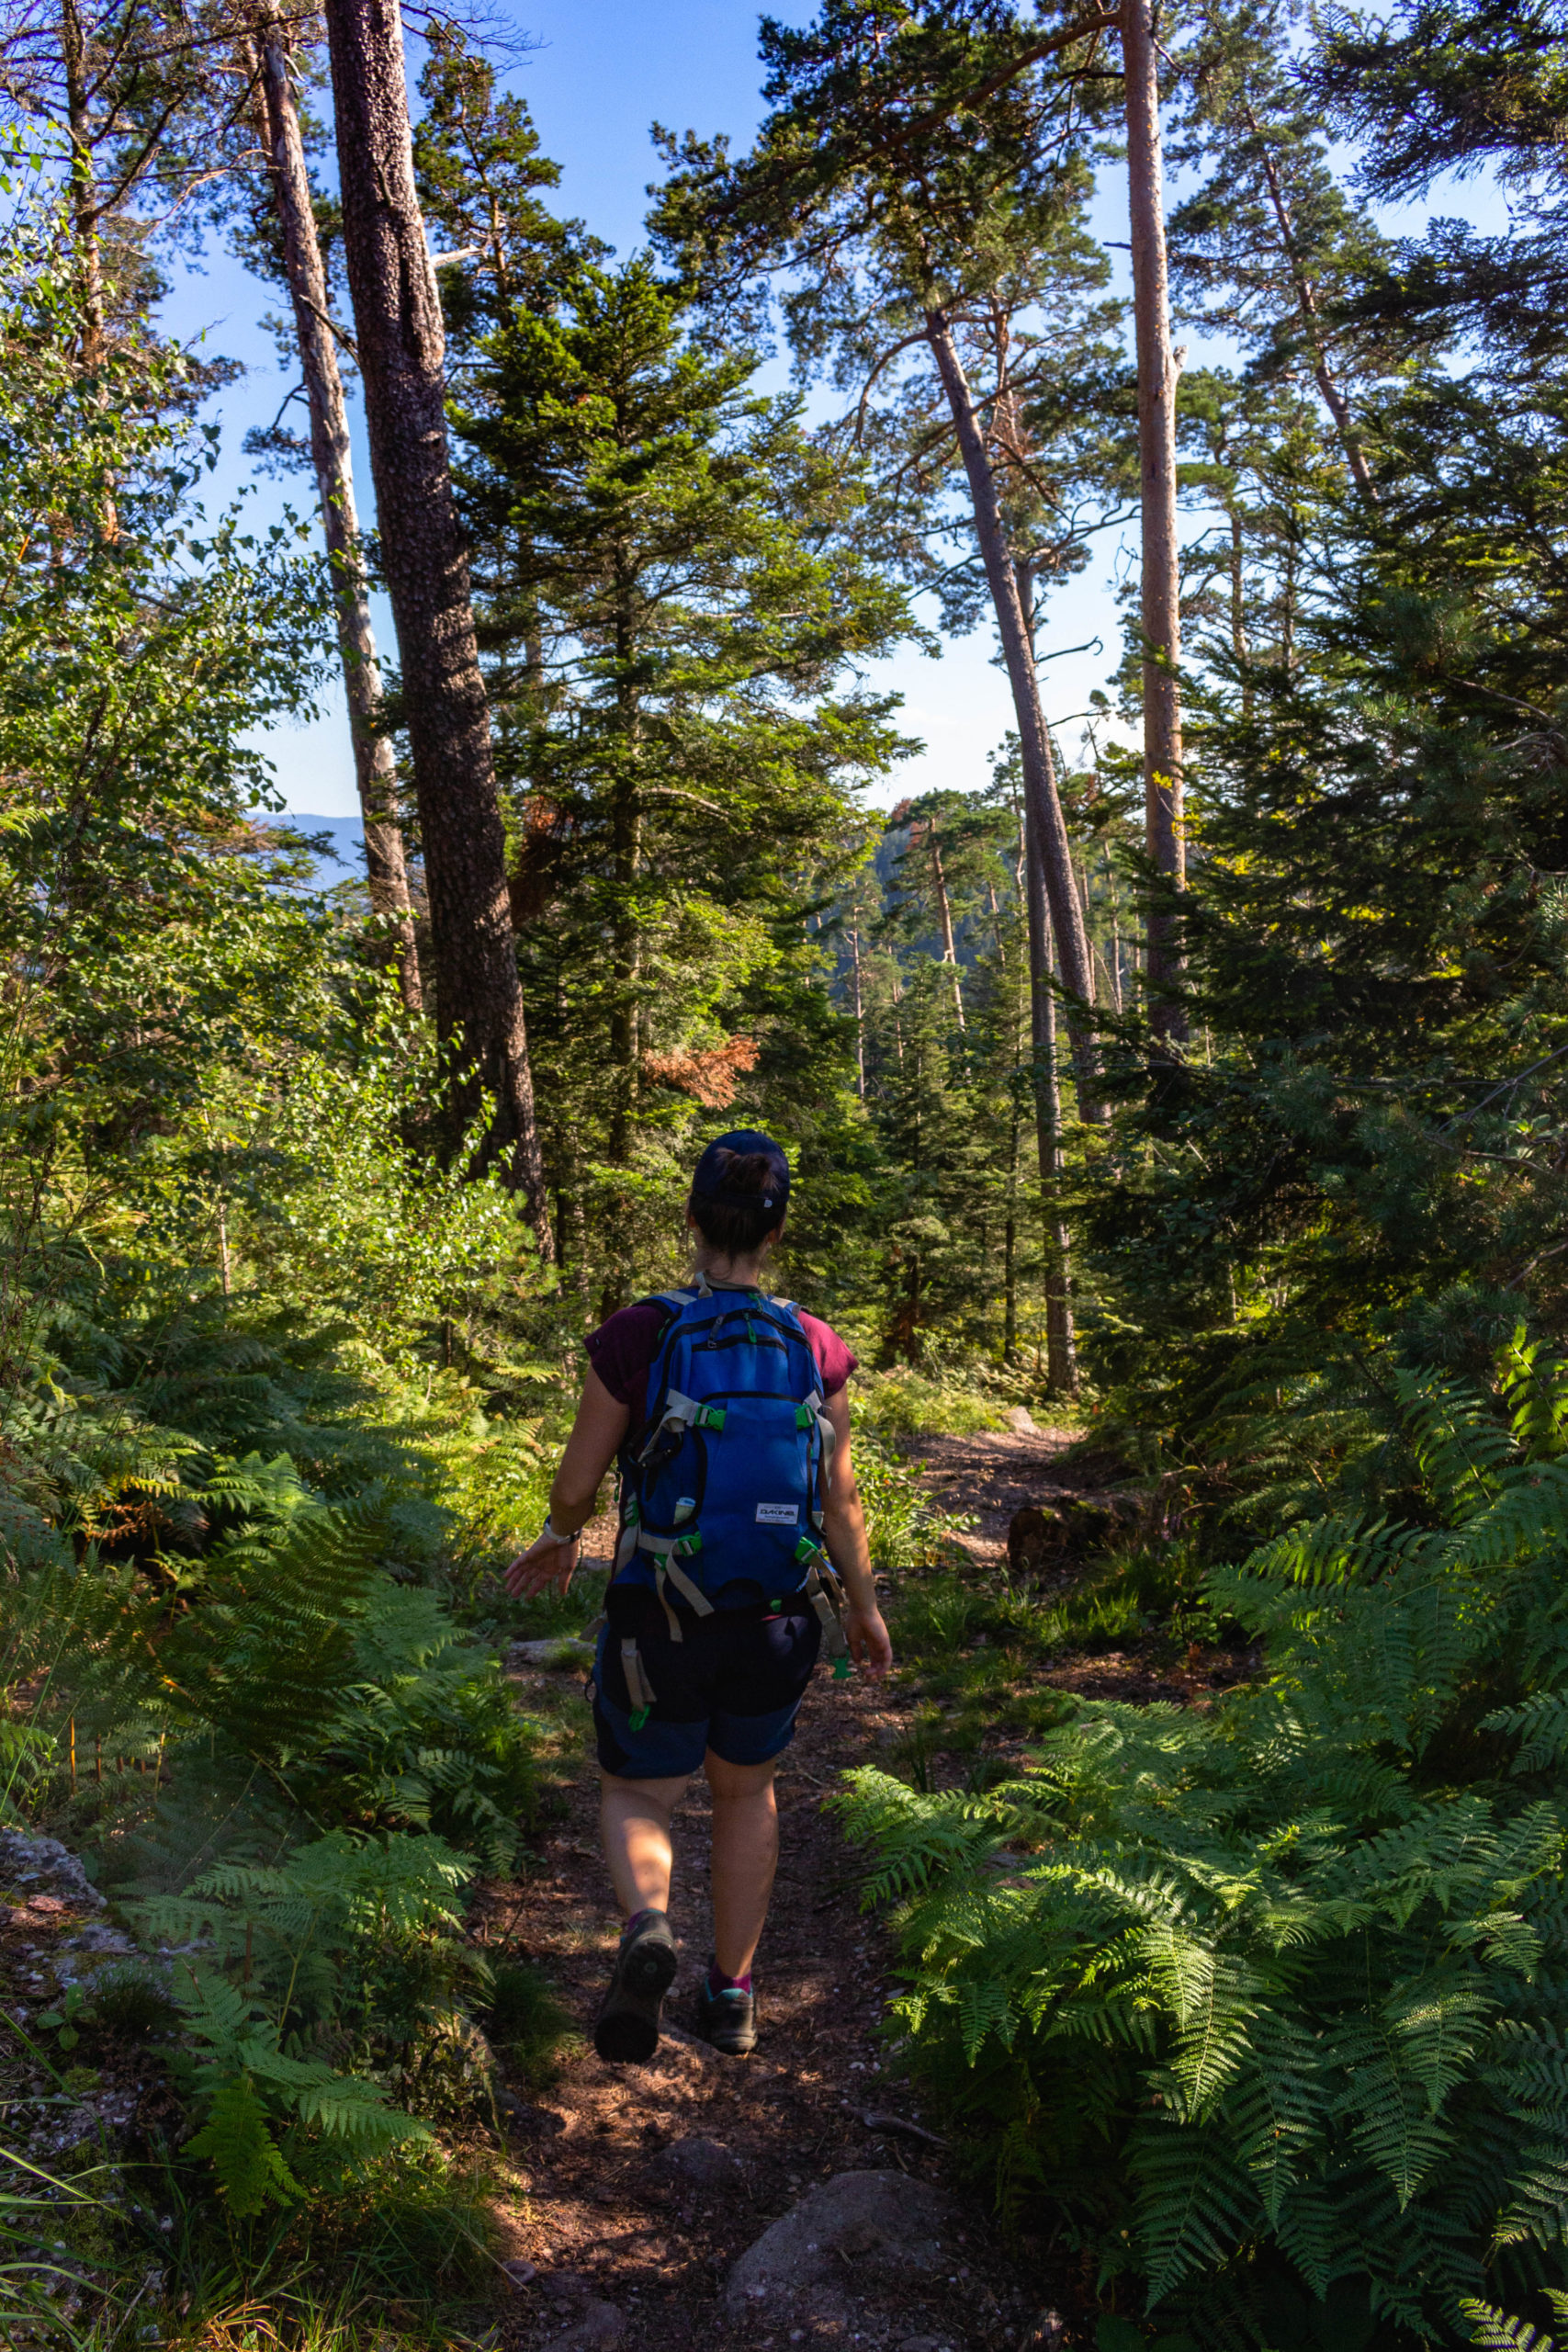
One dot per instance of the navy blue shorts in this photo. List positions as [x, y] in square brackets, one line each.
[733, 1684]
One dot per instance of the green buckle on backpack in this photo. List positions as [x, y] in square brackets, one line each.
[641, 1716]
[708, 1416]
[687, 1543]
[804, 1416]
[808, 1549]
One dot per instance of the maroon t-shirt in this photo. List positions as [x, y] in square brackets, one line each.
[622, 1353]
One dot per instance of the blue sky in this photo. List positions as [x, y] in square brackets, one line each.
[596, 80]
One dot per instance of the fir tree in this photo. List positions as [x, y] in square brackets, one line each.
[672, 587]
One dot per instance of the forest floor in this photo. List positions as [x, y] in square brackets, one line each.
[634, 2190]
[638, 2188]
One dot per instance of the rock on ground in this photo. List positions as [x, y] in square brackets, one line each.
[559, 1650]
[699, 2162]
[45, 1864]
[860, 2232]
[601, 2325]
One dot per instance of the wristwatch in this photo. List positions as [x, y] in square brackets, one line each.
[556, 1537]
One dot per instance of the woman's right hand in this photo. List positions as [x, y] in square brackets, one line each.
[550, 1559]
[871, 1644]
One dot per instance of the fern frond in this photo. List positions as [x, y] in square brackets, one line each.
[1193, 2204]
[1457, 1440]
[1494, 2331]
[244, 2156]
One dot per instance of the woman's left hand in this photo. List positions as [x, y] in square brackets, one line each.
[550, 1559]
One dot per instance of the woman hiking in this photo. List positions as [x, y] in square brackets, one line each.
[742, 1548]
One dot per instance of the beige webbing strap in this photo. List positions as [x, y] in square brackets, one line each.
[639, 1689]
[690, 1593]
[626, 1548]
[678, 1413]
[825, 1595]
[670, 1617]
[829, 1438]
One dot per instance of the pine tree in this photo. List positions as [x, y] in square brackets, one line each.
[1269, 245]
[479, 170]
[886, 261]
[672, 586]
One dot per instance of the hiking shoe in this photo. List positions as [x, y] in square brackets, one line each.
[627, 2029]
[728, 2019]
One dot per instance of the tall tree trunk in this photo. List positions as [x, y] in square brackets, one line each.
[374, 766]
[625, 1025]
[1115, 931]
[944, 917]
[1159, 368]
[859, 1015]
[1009, 1272]
[1049, 828]
[86, 219]
[84, 210]
[401, 350]
[1239, 646]
[625, 1018]
[1334, 399]
[1061, 1353]
[996, 925]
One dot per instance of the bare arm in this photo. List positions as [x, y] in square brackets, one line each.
[843, 1531]
[596, 1434]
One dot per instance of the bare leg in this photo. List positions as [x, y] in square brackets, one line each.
[745, 1856]
[634, 1824]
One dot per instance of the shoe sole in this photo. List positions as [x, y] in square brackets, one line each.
[626, 2031]
[727, 2045]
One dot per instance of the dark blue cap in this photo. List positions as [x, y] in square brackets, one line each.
[708, 1184]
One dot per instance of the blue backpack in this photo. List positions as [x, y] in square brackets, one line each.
[727, 1482]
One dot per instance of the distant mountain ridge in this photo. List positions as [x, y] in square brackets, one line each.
[346, 835]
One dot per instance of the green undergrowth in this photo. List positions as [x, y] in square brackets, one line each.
[906, 1402]
[244, 1682]
[1254, 2012]
[528, 2024]
[975, 1644]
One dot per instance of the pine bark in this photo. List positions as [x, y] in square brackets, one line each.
[401, 351]
[1159, 370]
[1049, 834]
[1061, 1351]
[375, 768]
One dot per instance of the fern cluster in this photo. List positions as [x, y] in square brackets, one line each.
[1271, 2003]
[336, 1757]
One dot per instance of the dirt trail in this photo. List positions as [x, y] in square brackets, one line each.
[983, 1479]
[629, 2228]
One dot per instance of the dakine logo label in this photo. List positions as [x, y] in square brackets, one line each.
[777, 1514]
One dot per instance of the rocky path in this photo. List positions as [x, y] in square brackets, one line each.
[641, 2198]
